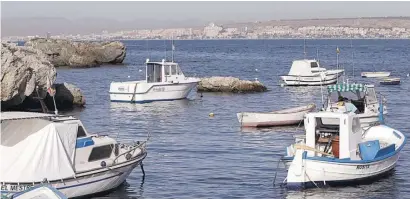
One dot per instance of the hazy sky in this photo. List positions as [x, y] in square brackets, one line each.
[203, 11]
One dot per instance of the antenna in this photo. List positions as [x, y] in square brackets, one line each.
[173, 47]
[148, 51]
[304, 48]
[165, 47]
[317, 54]
[351, 46]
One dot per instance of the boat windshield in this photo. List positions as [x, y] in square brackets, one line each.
[154, 73]
[350, 95]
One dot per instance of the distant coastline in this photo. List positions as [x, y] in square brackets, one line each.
[345, 28]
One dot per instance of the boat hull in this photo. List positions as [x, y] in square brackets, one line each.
[285, 117]
[159, 92]
[375, 74]
[92, 182]
[317, 80]
[333, 173]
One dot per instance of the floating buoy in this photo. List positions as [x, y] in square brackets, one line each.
[139, 70]
[408, 74]
[129, 76]
[211, 114]
[256, 69]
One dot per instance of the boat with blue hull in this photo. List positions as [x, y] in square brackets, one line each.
[343, 154]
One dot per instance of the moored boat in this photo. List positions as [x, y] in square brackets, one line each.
[309, 73]
[40, 148]
[390, 81]
[43, 191]
[361, 99]
[342, 154]
[375, 74]
[164, 81]
[284, 117]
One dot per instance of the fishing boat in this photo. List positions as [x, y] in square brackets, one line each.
[375, 74]
[284, 117]
[309, 73]
[390, 81]
[40, 148]
[164, 81]
[357, 98]
[342, 154]
[39, 192]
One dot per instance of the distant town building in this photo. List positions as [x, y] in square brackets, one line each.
[212, 30]
[48, 35]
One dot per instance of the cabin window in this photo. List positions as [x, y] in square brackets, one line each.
[80, 132]
[314, 65]
[154, 73]
[150, 73]
[166, 70]
[173, 69]
[179, 72]
[101, 152]
[371, 97]
[356, 127]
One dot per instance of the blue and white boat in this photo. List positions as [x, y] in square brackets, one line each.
[43, 191]
[164, 82]
[341, 154]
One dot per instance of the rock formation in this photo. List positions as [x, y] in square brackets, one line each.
[25, 73]
[229, 84]
[79, 54]
[22, 70]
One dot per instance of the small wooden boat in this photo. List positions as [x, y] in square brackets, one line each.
[40, 191]
[390, 81]
[284, 117]
[375, 74]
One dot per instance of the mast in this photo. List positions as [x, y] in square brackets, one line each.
[165, 48]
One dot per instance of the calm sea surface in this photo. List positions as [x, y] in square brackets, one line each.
[191, 155]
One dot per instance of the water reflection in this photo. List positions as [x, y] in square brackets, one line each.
[381, 188]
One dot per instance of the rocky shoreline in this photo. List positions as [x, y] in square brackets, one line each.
[229, 84]
[79, 54]
[26, 73]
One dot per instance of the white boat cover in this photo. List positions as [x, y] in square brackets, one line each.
[35, 149]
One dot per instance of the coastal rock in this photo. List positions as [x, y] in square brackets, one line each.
[79, 54]
[229, 84]
[22, 70]
[66, 97]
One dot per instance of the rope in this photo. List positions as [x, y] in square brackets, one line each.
[300, 146]
[276, 172]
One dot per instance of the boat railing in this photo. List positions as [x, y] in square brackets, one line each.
[139, 145]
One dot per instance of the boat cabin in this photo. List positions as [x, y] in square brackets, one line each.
[163, 72]
[360, 96]
[305, 67]
[340, 139]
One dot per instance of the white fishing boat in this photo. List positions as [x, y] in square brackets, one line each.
[357, 98]
[39, 192]
[342, 154]
[309, 73]
[284, 117]
[164, 81]
[375, 74]
[40, 148]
